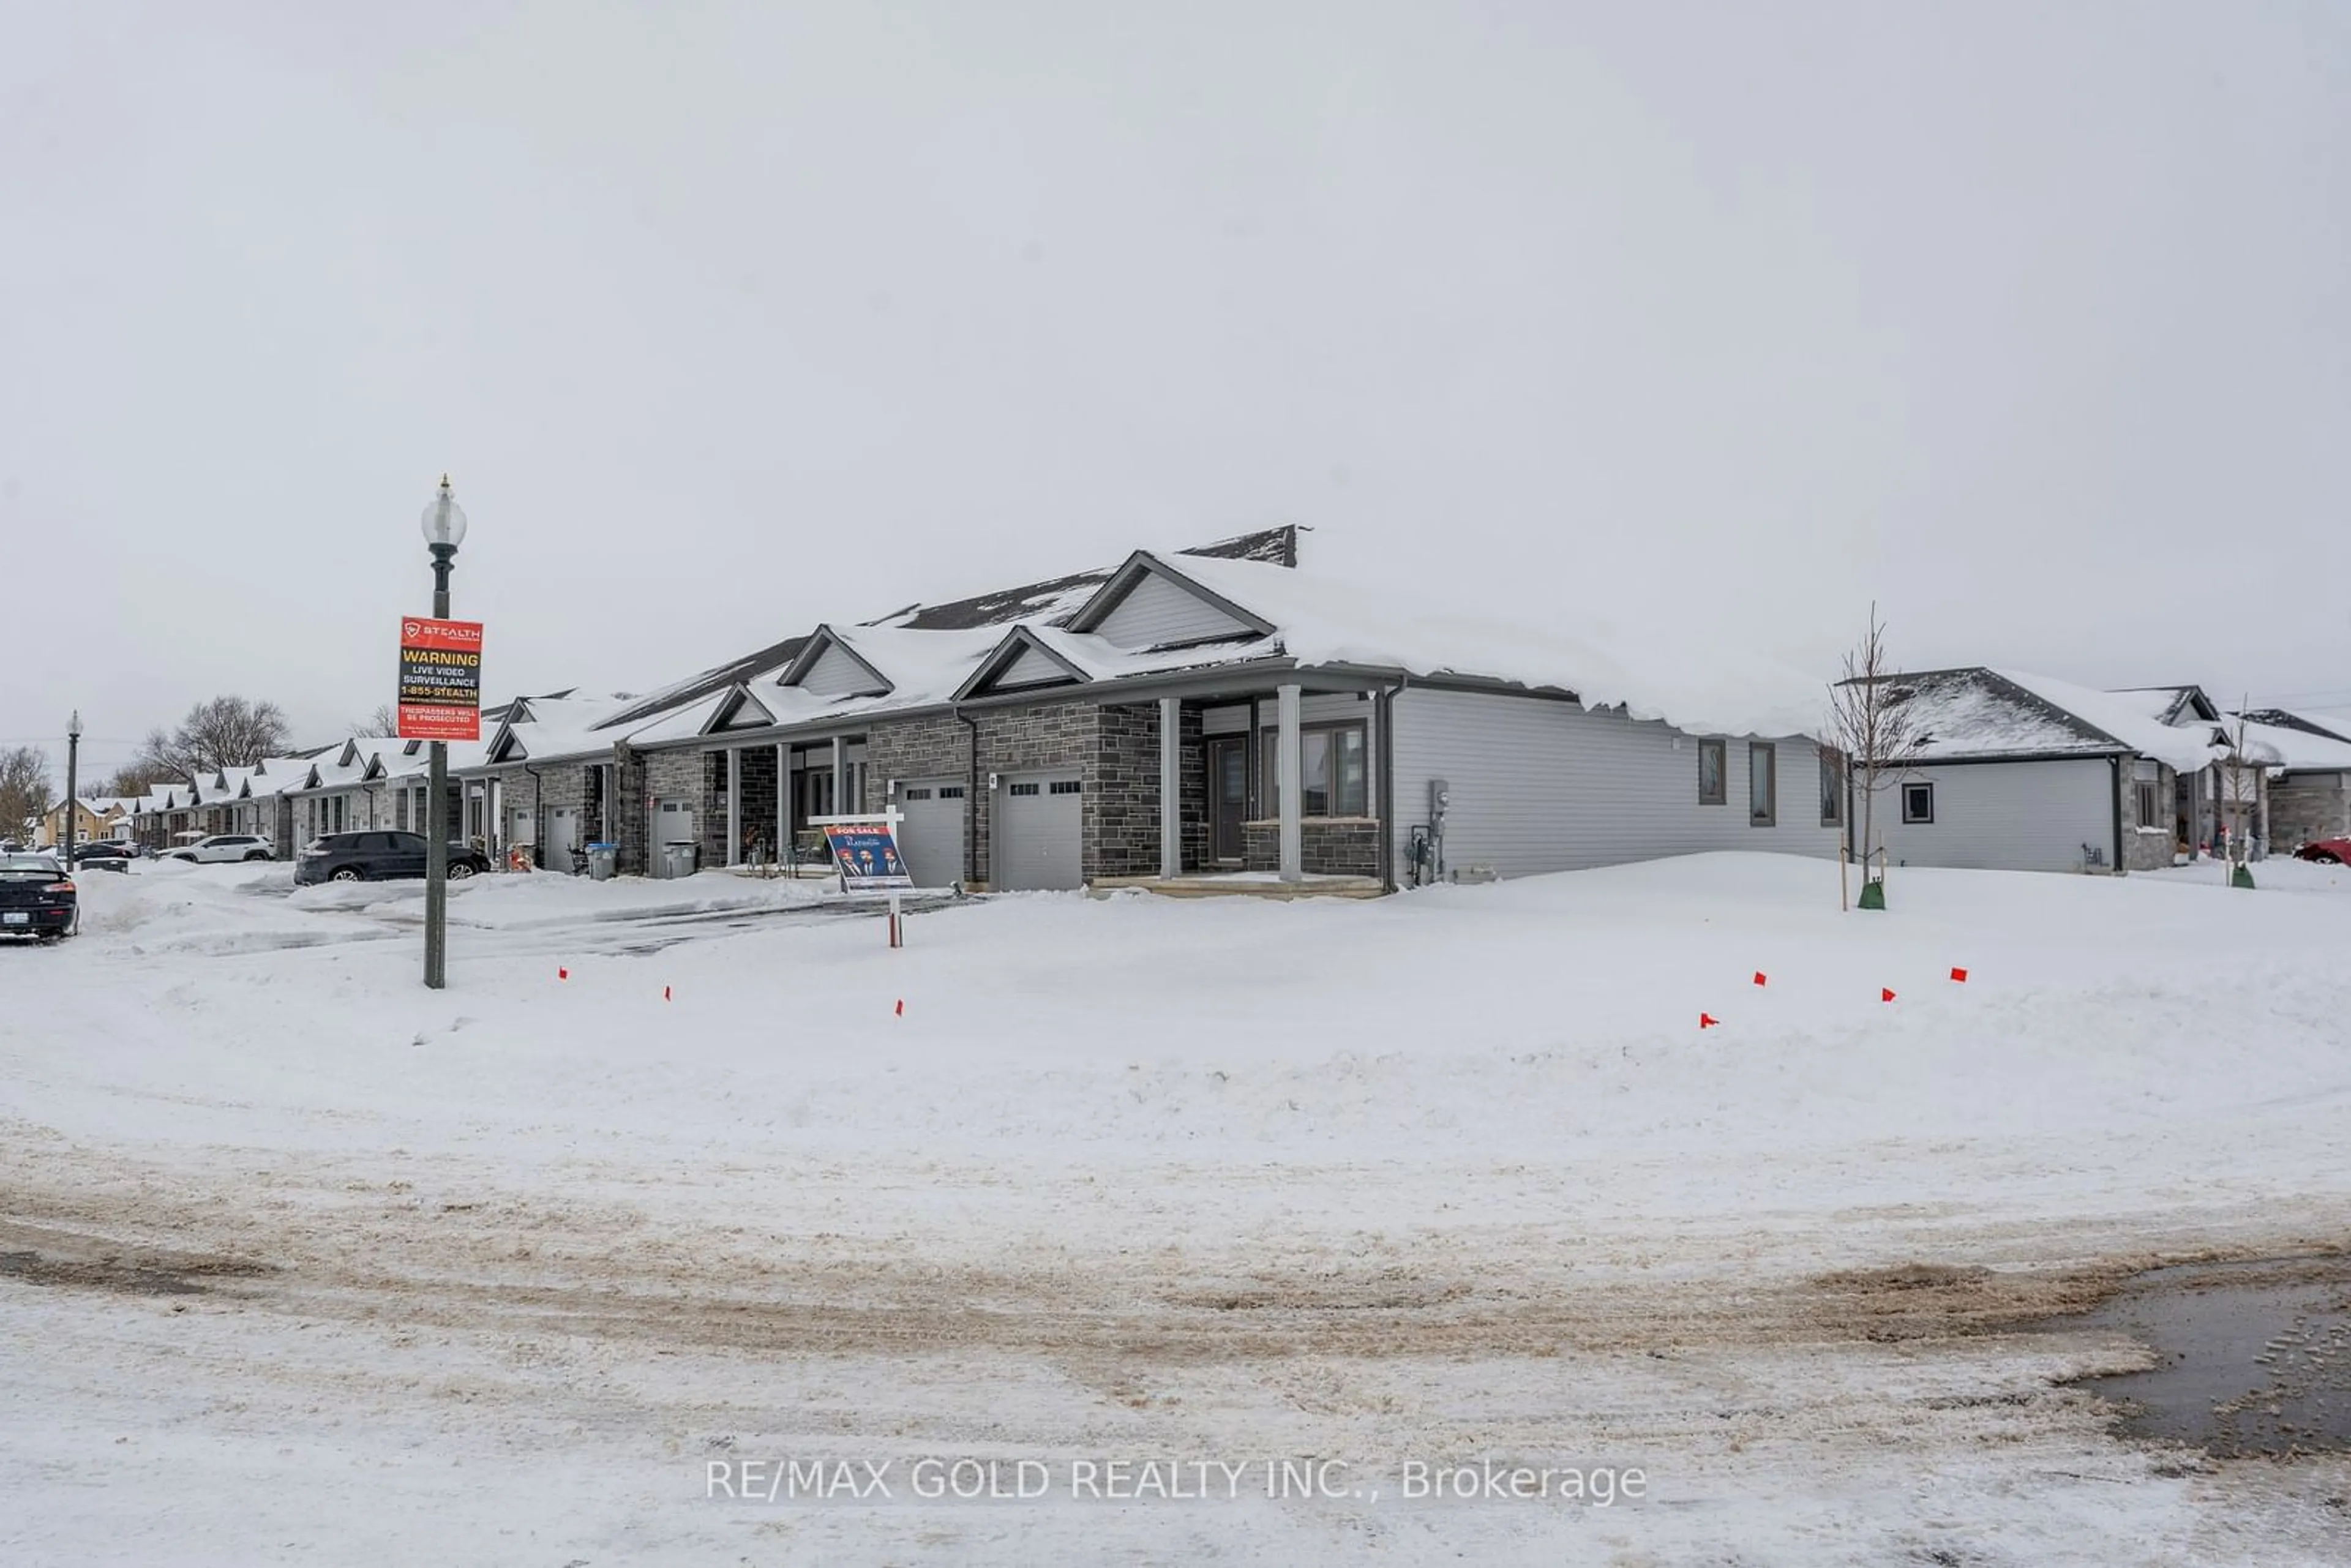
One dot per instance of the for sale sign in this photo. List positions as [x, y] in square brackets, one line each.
[866, 855]
[440, 679]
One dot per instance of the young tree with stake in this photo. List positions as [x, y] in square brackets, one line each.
[1871, 722]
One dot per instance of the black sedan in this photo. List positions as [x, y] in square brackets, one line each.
[92, 850]
[378, 857]
[37, 898]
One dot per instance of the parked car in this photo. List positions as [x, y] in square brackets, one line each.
[103, 850]
[378, 856]
[2326, 852]
[222, 848]
[37, 898]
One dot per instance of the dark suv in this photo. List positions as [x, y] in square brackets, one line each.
[376, 856]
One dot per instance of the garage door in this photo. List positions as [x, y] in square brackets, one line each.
[562, 836]
[1039, 826]
[931, 837]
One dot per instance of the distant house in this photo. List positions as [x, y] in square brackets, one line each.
[91, 819]
[2309, 754]
[2021, 772]
[1225, 718]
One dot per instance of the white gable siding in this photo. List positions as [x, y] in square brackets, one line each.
[1157, 613]
[2004, 816]
[1032, 668]
[836, 674]
[1541, 785]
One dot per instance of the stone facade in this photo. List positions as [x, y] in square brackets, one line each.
[1113, 749]
[2150, 849]
[2307, 806]
[1122, 809]
[1333, 846]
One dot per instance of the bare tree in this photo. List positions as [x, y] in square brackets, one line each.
[130, 782]
[226, 732]
[1871, 722]
[383, 721]
[2240, 786]
[23, 789]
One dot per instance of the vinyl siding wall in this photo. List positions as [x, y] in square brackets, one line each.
[1032, 669]
[836, 674]
[2005, 816]
[1540, 784]
[1157, 612]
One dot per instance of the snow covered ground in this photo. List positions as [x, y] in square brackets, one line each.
[299, 1262]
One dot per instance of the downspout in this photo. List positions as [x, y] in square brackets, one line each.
[537, 817]
[1384, 711]
[970, 801]
[2114, 766]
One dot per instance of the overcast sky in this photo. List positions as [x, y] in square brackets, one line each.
[2029, 320]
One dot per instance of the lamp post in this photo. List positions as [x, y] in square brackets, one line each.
[444, 530]
[73, 781]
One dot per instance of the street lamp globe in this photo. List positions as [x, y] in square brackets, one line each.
[443, 520]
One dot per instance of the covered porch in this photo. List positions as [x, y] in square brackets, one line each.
[1277, 793]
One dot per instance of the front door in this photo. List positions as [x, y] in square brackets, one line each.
[1228, 795]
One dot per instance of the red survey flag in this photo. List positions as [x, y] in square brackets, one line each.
[1961, 975]
[1884, 994]
[1704, 1021]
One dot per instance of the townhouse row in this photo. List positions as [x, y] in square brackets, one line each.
[1224, 717]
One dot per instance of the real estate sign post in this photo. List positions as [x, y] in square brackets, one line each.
[440, 679]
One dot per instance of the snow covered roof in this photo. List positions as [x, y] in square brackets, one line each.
[2295, 750]
[1979, 712]
[2170, 705]
[2310, 721]
[1654, 673]
[1051, 601]
[1055, 600]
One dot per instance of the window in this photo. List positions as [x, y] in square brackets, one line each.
[1028, 789]
[2149, 812]
[1334, 779]
[1832, 789]
[1762, 785]
[950, 791]
[916, 792]
[1065, 787]
[1713, 765]
[1917, 802]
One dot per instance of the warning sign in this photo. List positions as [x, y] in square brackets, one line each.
[440, 679]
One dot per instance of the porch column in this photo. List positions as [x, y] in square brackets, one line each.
[1171, 785]
[734, 805]
[783, 803]
[1289, 759]
[840, 806]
